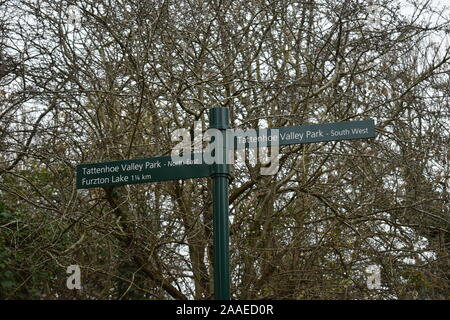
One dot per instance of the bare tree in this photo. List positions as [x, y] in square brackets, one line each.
[115, 80]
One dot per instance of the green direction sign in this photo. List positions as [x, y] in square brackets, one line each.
[346, 130]
[145, 170]
[142, 170]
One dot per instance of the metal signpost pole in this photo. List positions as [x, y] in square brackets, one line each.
[220, 174]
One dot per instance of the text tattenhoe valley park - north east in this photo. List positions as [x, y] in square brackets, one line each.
[124, 173]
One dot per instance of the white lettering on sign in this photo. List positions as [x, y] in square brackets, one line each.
[360, 131]
[132, 167]
[88, 182]
[182, 162]
[152, 165]
[256, 139]
[292, 136]
[118, 179]
[314, 134]
[335, 133]
[99, 170]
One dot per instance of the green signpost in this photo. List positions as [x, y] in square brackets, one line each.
[143, 170]
[220, 173]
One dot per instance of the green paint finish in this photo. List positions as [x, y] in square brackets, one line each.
[116, 173]
[221, 237]
[220, 174]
